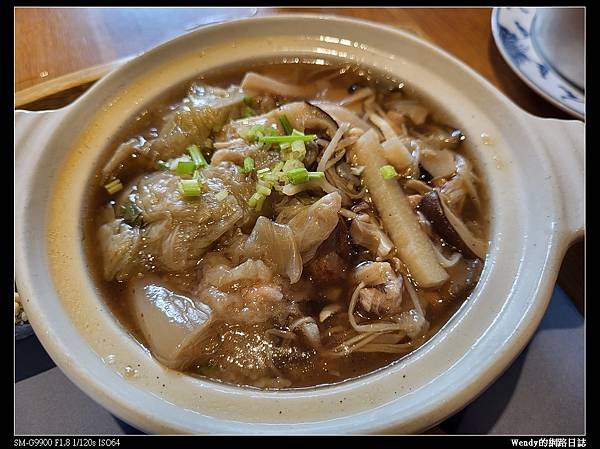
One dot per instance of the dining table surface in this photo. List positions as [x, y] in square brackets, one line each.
[60, 52]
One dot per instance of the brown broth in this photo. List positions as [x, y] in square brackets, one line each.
[300, 364]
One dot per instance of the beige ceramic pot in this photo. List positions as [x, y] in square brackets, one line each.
[534, 172]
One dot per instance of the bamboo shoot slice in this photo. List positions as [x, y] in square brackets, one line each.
[398, 218]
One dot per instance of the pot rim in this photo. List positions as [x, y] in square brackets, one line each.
[145, 420]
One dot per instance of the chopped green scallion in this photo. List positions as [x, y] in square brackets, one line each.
[162, 165]
[263, 190]
[278, 167]
[197, 156]
[263, 182]
[387, 172]
[270, 178]
[283, 139]
[256, 132]
[190, 187]
[256, 200]
[298, 150]
[198, 176]
[312, 175]
[287, 127]
[290, 164]
[260, 202]
[113, 186]
[172, 163]
[262, 171]
[297, 175]
[185, 168]
[248, 165]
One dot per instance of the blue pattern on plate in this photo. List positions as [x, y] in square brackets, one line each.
[517, 52]
[516, 49]
[568, 95]
[543, 70]
[523, 31]
[512, 33]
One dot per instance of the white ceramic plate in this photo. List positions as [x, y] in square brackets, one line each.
[511, 28]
